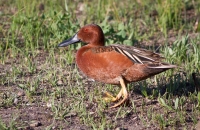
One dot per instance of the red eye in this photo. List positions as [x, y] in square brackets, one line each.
[86, 30]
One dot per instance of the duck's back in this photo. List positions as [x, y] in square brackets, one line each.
[108, 63]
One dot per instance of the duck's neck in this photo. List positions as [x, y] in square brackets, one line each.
[85, 48]
[97, 41]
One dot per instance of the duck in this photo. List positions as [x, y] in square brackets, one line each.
[115, 64]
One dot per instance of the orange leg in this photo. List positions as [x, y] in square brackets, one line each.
[123, 92]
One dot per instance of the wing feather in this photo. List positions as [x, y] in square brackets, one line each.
[136, 55]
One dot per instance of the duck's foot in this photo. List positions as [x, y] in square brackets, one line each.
[123, 93]
[109, 97]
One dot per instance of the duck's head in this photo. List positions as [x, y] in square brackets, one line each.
[90, 34]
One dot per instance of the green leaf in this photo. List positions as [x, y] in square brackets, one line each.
[176, 103]
[162, 102]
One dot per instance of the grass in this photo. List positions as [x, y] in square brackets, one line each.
[41, 82]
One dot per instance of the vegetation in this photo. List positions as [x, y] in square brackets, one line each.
[40, 85]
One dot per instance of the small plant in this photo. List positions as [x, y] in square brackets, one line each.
[169, 14]
[184, 53]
